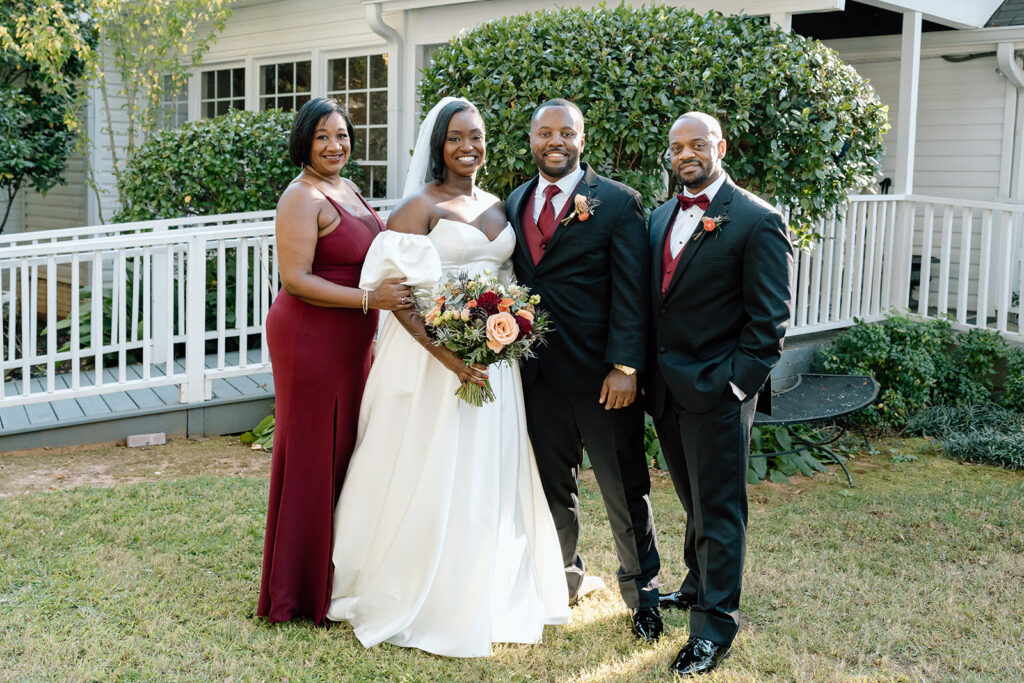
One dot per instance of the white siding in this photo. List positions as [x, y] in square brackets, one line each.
[959, 125]
[63, 206]
[15, 221]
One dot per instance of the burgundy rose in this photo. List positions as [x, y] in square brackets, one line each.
[525, 327]
[488, 302]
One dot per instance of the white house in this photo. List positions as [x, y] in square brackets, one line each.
[369, 52]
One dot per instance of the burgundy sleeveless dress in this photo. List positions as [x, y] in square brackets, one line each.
[320, 357]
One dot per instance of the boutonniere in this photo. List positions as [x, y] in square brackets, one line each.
[710, 224]
[583, 206]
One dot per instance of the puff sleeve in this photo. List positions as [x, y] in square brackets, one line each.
[401, 255]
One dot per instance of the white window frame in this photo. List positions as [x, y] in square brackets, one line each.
[195, 86]
[254, 76]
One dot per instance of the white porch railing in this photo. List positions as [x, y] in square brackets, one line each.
[149, 302]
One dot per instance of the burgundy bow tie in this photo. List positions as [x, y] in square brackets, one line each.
[700, 200]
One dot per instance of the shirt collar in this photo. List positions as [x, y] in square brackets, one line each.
[711, 190]
[566, 183]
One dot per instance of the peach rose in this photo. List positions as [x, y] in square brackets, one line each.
[505, 305]
[526, 313]
[502, 329]
[432, 315]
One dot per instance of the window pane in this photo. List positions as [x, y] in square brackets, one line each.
[286, 103]
[238, 104]
[237, 82]
[356, 73]
[379, 182]
[378, 71]
[285, 78]
[379, 108]
[302, 77]
[267, 80]
[301, 100]
[266, 103]
[357, 108]
[207, 80]
[336, 74]
[223, 83]
[359, 149]
[222, 107]
[378, 144]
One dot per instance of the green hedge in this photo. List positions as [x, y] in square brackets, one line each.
[231, 163]
[804, 128]
[919, 364]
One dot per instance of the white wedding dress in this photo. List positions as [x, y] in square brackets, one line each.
[443, 538]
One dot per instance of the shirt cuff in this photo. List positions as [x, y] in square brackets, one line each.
[738, 392]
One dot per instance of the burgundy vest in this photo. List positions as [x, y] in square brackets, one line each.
[535, 240]
[668, 264]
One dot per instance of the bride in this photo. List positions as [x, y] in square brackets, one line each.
[443, 539]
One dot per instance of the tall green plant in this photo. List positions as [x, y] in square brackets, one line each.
[46, 47]
[803, 127]
[150, 46]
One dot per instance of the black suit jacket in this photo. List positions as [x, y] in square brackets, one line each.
[593, 281]
[726, 309]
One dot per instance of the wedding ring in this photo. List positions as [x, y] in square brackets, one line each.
[405, 299]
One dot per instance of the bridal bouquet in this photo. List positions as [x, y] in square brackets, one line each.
[484, 322]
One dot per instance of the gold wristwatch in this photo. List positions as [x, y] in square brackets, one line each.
[625, 369]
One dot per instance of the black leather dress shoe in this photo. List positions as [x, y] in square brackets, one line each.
[647, 623]
[698, 656]
[674, 601]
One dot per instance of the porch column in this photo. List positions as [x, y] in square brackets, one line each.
[906, 137]
[906, 127]
[783, 20]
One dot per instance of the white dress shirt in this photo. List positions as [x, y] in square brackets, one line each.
[566, 184]
[686, 221]
[682, 229]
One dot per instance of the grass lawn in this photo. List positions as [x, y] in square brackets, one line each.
[916, 574]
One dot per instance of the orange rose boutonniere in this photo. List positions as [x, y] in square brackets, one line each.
[709, 224]
[583, 206]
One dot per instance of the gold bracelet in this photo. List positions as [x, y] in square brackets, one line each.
[366, 300]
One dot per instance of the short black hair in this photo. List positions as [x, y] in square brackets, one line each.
[306, 121]
[556, 102]
[437, 169]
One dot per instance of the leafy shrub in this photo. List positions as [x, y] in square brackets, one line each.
[919, 364]
[803, 127]
[986, 433]
[231, 163]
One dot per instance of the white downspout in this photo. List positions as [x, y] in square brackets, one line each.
[396, 90]
[1008, 66]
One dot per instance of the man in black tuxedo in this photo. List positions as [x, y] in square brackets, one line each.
[582, 245]
[720, 294]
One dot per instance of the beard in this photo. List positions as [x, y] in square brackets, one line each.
[560, 170]
[695, 176]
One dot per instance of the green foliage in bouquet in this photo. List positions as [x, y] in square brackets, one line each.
[804, 129]
[232, 163]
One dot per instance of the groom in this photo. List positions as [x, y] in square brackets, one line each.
[582, 245]
[720, 293]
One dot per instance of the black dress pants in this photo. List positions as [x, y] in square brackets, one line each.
[707, 455]
[561, 425]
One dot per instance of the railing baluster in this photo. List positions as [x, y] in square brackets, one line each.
[242, 300]
[1005, 277]
[925, 279]
[944, 265]
[264, 299]
[963, 284]
[96, 316]
[145, 280]
[121, 314]
[76, 304]
[984, 257]
[51, 323]
[136, 279]
[27, 336]
[221, 327]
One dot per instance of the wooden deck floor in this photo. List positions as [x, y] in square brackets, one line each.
[237, 404]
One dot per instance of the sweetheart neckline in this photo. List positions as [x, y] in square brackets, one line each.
[475, 229]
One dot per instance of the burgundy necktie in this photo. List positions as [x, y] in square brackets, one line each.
[700, 200]
[546, 220]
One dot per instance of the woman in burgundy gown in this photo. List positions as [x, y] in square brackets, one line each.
[320, 332]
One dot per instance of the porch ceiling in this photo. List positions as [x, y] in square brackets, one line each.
[954, 13]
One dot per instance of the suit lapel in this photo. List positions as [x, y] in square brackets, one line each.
[661, 222]
[590, 180]
[717, 207]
